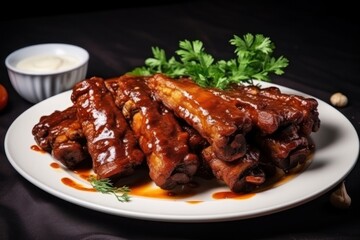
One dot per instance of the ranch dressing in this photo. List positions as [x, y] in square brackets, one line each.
[47, 63]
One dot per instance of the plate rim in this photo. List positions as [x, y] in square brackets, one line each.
[109, 206]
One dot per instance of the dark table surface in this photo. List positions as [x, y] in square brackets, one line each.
[321, 43]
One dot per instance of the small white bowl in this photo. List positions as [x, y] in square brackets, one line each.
[43, 70]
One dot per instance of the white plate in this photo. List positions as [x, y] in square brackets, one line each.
[337, 149]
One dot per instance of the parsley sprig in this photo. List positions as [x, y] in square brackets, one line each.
[105, 186]
[253, 60]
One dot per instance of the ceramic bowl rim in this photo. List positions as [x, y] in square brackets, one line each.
[16, 55]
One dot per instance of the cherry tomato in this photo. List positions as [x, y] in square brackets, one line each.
[3, 97]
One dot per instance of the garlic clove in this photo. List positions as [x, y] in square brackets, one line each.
[339, 100]
[340, 198]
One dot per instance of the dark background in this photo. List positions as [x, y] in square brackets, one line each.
[321, 41]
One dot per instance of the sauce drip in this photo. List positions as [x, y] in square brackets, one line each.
[232, 195]
[71, 183]
[37, 149]
[142, 186]
[83, 173]
[55, 165]
[148, 190]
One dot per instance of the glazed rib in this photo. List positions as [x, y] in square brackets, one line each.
[282, 121]
[160, 136]
[221, 123]
[266, 114]
[287, 147]
[197, 144]
[60, 134]
[69, 145]
[243, 175]
[240, 136]
[42, 130]
[291, 104]
[111, 143]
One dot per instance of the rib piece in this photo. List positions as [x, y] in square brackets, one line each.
[307, 107]
[160, 136]
[42, 130]
[221, 123]
[60, 134]
[69, 145]
[287, 147]
[266, 114]
[197, 144]
[283, 122]
[111, 143]
[243, 175]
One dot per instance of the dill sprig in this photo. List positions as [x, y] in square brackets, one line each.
[105, 186]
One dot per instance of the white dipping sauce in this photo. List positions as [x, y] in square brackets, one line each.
[47, 63]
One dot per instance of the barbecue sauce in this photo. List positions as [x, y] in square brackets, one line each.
[71, 183]
[55, 165]
[142, 186]
[37, 148]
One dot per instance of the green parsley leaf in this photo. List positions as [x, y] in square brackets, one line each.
[253, 60]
